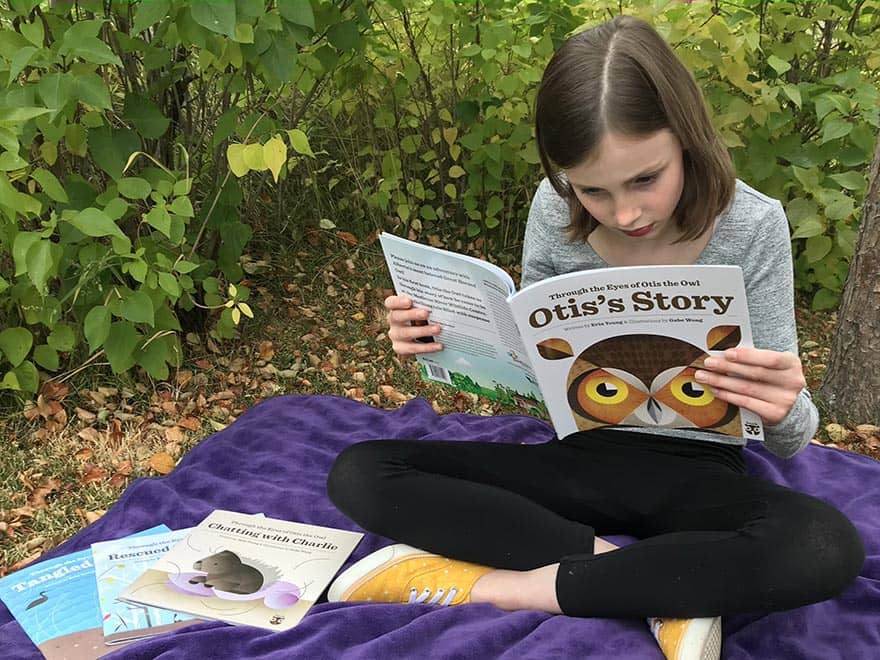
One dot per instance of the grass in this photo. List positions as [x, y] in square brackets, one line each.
[320, 329]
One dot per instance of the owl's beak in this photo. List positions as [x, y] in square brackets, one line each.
[654, 410]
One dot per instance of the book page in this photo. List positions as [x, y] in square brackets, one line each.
[619, 346]
[482, 353]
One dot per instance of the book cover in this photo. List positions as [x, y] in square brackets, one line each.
[56, 603]
[603, 347]
[620, 346]
[246, 569]
[117, 564]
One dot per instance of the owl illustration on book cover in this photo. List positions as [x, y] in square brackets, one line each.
[645, 380]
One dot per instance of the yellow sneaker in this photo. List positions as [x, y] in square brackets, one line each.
[688, 639]
[403, 574]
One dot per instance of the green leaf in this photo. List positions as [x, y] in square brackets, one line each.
[794, 93]
[137, 307]
[33, 32]
[182, 206]
[169, 284]
[184, 266]
[62, 338]
[90, 49]
[217, 17]
[145, 115]
[298, 12]
[456, 171]
[343, 36]
[158, 218]
[835, 128]
[253, 157]
[235, 158]
[24, 378]
[134, 187]
[46, 357]
[94, 222]
[839, 207]
[10, 160]
[17, 116]
[300, 142]
[154, 358]
[275, 155]
[150, 13]
[20, 60]
[494, 206]
[15, 344]
[825, 299]
[111, 148]
[15, 201]
[120, 346]
[91, 89]
[41, 259]
[96, 327]
[75, 139]
[50, 185]
[23, 242]
[809, 227]
[850, 180]
[244, 33]
[799, 209]
[778, 64]
[817, 247]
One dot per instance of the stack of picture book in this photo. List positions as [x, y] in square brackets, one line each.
[239, 568]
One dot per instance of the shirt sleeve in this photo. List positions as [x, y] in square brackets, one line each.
[769, 283]
[544, 228]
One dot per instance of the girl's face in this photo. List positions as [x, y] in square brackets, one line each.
[631, 185]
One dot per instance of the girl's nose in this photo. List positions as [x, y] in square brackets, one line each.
[626, 214]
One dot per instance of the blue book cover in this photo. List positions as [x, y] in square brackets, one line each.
[56, 603]
[119, 563]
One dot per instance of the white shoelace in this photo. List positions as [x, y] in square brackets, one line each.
[416, 597]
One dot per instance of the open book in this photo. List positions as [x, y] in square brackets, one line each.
[604, 347]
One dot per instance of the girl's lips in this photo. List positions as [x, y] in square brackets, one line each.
[640, 232]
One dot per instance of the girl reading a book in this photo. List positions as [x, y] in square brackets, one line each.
[636, 175]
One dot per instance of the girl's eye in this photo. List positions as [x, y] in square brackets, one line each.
[646, 180]
[591, 192]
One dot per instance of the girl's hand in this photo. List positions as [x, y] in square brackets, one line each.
[409, 330]
[765, 382]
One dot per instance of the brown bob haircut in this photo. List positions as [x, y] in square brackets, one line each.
[621, 77]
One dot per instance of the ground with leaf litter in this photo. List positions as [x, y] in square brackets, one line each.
[71, 453]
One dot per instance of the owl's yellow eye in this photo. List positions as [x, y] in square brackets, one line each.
[686, 389]
[598, 395]
[607, 389]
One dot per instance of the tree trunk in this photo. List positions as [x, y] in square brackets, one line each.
[851, 387]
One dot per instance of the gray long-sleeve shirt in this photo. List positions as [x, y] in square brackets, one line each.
[752, 234]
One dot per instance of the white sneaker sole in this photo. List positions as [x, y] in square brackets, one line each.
[363, 567]
[702, 640]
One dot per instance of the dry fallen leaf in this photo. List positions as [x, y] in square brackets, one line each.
[93, 473]
[266, 350]
[162, 462]
[190, 423]
[174, 434]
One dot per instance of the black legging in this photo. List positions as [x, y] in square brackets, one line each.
[715, 540]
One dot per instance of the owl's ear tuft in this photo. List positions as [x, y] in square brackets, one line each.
[555, 349]
[722, 337]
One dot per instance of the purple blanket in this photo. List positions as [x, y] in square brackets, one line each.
[275, 459]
